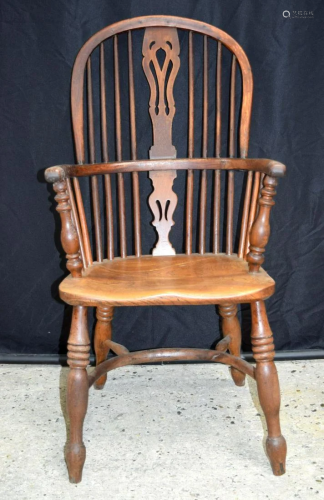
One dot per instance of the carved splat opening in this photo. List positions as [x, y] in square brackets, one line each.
[163, 202]
[166, 209]
[161, 64]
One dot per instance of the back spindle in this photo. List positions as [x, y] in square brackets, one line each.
[230, 178]
[135, 180]
[92, 158]
[104, 145]
[83, 223]
[190, 175]
[120, 178]
[203, 186]
[245, 215]
[253, 208]
[75, 220]
[218, 145]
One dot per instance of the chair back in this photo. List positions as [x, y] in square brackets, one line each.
[154, 88]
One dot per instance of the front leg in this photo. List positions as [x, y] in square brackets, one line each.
[268, 386]
[231, 327]
[77, 392]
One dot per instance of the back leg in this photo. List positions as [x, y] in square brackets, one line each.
[231, 326]
[103, 332]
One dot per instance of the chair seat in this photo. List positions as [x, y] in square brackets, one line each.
[167, 280]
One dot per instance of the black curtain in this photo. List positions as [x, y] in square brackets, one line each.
[39, 43]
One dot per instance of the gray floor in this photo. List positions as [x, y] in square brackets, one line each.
[161, 432]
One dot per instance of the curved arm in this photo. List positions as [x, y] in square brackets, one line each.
[260, 231]
[265, 166]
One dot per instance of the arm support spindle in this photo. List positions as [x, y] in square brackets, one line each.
[69, 237]
[260, 231]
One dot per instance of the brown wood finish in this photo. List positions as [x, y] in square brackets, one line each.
[75, 221]
[92, 157]
[158, 21]
[104, 146]
[203, 178]
[253, 208]
[246, 207]
[163, 200]
[136, 193]
[120, 178]
[167, 355]
[69, 236]
[103, 333]
[218, 146]
[268, 385]
[190, 174]
[77, 392]
[83, 221]
[268, 167]
[230, 175]
[232, 329]
[224, 279]
[168, 280]
[165, 39]
[260, 231]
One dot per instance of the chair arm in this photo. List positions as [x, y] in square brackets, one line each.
[265, 166]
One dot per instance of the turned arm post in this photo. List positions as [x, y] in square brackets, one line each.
[69, 236]
[260, 231]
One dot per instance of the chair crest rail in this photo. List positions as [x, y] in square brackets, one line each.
[265, 166]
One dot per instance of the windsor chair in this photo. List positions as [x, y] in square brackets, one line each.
[206, 270]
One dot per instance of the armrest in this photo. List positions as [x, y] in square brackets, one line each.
[265, 166]
[55, 174]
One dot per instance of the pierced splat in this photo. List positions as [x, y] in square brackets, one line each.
[163, 202]
[161, 64]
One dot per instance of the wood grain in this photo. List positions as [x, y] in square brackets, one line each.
[266, 166]
[167, 355]
[163, 200]
[268, 386]
[77, 392]
[159, 21]
[135, 180]
[164, 278]
[232, 329]
[178, 279]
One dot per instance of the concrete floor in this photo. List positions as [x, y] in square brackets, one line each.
[161, 432]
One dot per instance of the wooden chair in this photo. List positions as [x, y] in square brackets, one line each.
[200, 274]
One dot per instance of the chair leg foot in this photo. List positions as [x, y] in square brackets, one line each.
[100, 387]
[277, 450]
[103, 332]
[75, 455]
[77, 392]
[268, 386]
[231, 326]
[238, 377]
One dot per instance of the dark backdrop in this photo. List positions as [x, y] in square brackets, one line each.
[39, 42]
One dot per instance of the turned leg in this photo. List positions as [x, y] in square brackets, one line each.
[231, 326]
[268, 386]
[77, 392]
[102, 333]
